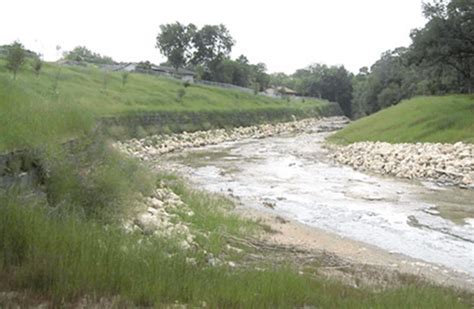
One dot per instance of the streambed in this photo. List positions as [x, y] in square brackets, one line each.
[291, 176]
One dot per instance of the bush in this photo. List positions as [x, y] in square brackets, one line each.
[37, 65]
[94, 180]
[125, 78]
[15, 57]
[180, 94]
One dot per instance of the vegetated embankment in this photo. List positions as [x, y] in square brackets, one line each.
[150, 147]
[422, 138]
[65, 102]
[441, 119]
[104, 230]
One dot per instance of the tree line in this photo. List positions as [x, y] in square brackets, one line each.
[207, 51]
[440, 60]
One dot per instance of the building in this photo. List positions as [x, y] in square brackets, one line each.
[183, 74]
[149, 68]
[280, 91]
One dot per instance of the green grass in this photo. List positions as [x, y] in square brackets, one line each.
[66, 243]
[444, 119]
[65, 258]
[34, 111]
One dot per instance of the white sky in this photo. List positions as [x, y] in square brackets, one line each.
[286, 35]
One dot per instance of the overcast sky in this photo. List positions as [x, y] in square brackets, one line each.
[286, 35]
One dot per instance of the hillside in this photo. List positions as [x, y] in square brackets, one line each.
[444, 119]
[63, 102]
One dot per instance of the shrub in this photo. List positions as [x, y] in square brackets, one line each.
[37, 64]
[180, 94]
[15, 57]
[125, 78]
[94, 180]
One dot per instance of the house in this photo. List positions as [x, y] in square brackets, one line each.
[183, 74]
[280, 91]
[147, 67]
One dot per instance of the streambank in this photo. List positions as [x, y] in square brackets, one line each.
[451, 164]
[415, 228]
[152, 146]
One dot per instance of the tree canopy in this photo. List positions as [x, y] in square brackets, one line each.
[212, 43]
[207, 50]
[15, 57]
[174, 41]
[83, 54]
[447, 40]
[440, 60]
[184, 45]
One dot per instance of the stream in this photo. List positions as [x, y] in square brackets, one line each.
[291, 176]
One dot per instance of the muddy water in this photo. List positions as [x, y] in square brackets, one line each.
[291, 176]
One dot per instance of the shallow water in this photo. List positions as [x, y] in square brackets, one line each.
[421, 220]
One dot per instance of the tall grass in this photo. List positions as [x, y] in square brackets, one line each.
[65, 258]
[31, 119]
[70, 245]
[92, 179]
[49, 108]
[445, 119]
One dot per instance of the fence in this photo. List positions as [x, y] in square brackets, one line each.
[223, 85]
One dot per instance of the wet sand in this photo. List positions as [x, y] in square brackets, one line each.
[292, 233]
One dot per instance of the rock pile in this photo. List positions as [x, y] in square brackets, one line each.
[160, 216]
[155, 145]
[445, 163]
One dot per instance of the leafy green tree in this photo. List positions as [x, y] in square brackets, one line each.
[447, 40]
[37, 64]
[180, 93]
[83, 54]
[15, 57]
[212, 44]
[331, 83]
[259, 76]
[125, 78]
[174, 41]
[144, 66]
[360, 107]
[281, 79]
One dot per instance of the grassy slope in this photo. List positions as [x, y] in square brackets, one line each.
[61, 255]
[446, 119]
[64, 259]
[33, 113]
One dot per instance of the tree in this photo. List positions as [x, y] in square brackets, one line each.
[360, 107]
[260, 77]
[37, 64]
[174, 41]
[125, 78]
[144, 66]
[15, 57]
[212, 43]
[447, 40]
[83, 54]
[331, 83]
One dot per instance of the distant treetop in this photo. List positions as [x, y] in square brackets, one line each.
[83, 54]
